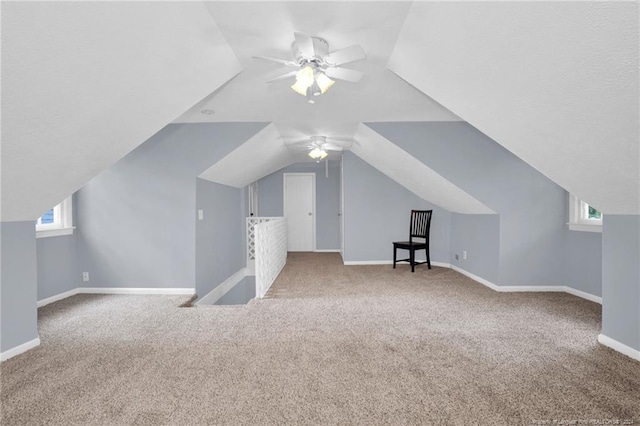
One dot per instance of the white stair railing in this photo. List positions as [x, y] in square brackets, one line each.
[270, 252]
[251, 236]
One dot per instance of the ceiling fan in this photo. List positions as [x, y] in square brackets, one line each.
[316, 67]
[319, 145]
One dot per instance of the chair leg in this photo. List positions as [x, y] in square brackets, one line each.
[412, 256]
[395, 249]
[428, 259]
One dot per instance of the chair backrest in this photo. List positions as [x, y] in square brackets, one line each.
[420, 224]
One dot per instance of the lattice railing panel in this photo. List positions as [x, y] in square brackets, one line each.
[251, 238]
[270, 252]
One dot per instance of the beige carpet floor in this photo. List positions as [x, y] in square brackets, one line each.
[330, 345]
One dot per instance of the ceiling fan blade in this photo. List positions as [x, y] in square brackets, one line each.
[277, 61]
[340, 139]
[341, 143]
[283, 76]
[345, 74]
[332, 147]
[305, 45]
[298, 142]
[345, 56]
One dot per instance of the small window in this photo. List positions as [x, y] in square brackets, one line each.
[56, 221]
[583, 217]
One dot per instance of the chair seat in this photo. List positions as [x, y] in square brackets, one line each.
[409, 244]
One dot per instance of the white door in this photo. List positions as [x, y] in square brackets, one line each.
[299, 209]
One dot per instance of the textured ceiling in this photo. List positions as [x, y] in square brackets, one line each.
[267, 29]
[84, 83]
[556, 83]
[414, 175]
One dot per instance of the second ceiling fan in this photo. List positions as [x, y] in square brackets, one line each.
[318, 145]
[315, 67]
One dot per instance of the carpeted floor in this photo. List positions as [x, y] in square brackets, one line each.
[330, 345]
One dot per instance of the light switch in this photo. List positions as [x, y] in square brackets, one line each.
[200, 214]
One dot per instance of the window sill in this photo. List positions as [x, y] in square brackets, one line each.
[585, 228]
[54, 232]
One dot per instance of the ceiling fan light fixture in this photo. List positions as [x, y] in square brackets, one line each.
[304, 80]
[317, 153]
[323, 82]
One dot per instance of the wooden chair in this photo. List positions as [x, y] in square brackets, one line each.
[418, 228]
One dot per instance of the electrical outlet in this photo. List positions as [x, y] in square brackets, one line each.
[85, 276]
[464, 255]
[457, 257]
[200, 214]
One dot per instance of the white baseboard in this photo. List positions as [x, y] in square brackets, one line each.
[57, 297]
[619, 347]
[142, 290]
[515, 288]
[531, 289]
[367, 262]
[216, 294]
[476, 278]
[109, 290]
[387, 262]
[583, 294]
[327, 251]
[511, 288]
[19, 349]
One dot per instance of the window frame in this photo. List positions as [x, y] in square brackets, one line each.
[578, 216]
[62, 221]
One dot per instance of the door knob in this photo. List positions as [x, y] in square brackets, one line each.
[310, 214]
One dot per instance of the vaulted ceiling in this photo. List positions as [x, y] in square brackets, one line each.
[556, 83]
[84, 83]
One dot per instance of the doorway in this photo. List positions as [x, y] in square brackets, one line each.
[299, 197]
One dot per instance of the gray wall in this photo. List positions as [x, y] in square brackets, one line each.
[621, 279]
[19, 284]
[479, 235]
[136, 221]
[58, 268]
[220, 236]
[583, 261]
[57, 265]
[270, 199]
[241, 293]
[531, 207]
[376, 213]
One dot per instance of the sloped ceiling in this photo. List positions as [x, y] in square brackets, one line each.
[266, 28]
[83, 83]
[261, 155]
[556, 83]
[414, 175]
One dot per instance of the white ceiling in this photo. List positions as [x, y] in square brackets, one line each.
[84, 83]
[267, 29]
[260, 156]
[556, 83]
[413, 174]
